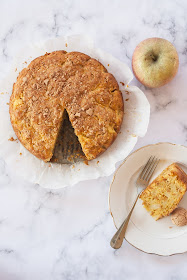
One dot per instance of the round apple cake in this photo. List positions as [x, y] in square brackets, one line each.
[60, 82]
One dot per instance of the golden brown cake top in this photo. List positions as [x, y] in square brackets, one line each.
[66, 81]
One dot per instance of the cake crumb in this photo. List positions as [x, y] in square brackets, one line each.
[127, 92]
[122, 84]
[170, 227]
[20, 154]
[7, 103]
[73, 166]
[97, 161]
[12, 139]
[127, 99]
[16, 69]
[86, 162]
[127, 85]
[49, 165]
[66, 45]
[108, 64]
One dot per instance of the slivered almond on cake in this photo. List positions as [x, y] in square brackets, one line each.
[163, 195]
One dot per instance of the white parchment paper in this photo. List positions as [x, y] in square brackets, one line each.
[51, 175]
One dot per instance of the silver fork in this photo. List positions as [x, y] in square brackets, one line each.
[141, 183]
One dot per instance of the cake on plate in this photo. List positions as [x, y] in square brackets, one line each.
[61, 82]
[163, 195]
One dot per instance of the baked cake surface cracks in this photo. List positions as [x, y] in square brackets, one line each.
[74, 82]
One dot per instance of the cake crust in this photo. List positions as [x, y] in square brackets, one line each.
[73, 82]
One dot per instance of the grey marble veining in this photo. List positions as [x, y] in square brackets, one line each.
[65, 234]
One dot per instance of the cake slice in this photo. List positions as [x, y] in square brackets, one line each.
[163, 195]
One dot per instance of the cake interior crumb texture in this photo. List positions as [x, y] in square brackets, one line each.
[72, 82]
[163, 195]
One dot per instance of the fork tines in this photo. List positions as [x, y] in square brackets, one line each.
[149, 168]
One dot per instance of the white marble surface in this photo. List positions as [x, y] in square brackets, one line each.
[65, 234]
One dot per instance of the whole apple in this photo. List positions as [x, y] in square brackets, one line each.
[155, 62]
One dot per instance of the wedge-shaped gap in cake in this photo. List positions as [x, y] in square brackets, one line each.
[68, 148]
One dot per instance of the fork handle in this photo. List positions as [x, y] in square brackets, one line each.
[118, 237]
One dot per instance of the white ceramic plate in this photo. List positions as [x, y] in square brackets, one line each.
[158, 237]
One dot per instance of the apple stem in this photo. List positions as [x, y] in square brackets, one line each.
[154, 57]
